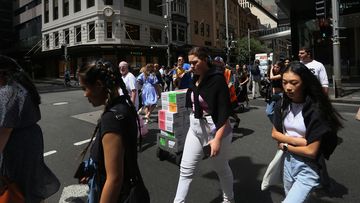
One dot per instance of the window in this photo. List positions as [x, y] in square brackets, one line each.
[178, 32]
[132, 31]
[155, 7]
[91, 31]
[78, 34]
[65, 7]
[56, 9]
[56, 39]
[196, 27]
[47, 41]
[66, 36]
[90, 3]
[155, 35]
[135, 4]
[46, 11]
[178, 6]
[181, 30]
[109, 30]
[202, 29]
[207, 30]
[77, 5]
[108, 2]
[174, 32]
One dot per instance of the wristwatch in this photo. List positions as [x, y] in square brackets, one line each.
[285, 147]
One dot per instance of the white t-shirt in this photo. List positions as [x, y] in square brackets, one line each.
[319, 71]
[131, 84]
[294, 125]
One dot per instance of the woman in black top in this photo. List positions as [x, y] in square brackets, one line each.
[276, 88]
[21, 138]
[209, 99]
[113, 154]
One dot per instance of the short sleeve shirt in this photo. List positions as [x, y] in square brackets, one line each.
[318, 69]
[131, 84]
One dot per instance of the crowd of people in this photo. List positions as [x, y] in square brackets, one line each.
[304, 130]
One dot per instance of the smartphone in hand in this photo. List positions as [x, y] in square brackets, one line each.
[207, 151]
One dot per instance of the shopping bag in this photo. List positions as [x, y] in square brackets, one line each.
[274, 172]
[143, 127]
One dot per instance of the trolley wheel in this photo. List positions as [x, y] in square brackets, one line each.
[161, 154]
[178, 158]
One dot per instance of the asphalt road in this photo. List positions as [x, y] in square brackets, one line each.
[67, 123]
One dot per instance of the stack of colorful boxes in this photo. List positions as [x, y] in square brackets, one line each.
[173, 121]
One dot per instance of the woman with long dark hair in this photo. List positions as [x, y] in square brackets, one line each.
[209, 99]
[305, 126]
[113, 154]
[276, 87]
[21, 138]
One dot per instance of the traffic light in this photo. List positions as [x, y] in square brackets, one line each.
[320, 8]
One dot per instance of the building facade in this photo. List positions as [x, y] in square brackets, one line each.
[131, 30]
[6, 30]
[309, 30]
[207, 26]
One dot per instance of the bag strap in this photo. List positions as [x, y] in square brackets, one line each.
[83, 153]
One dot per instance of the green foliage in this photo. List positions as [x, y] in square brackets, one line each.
[255, 47]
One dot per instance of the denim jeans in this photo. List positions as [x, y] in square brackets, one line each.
[270, 106]
[200, 133]
[301, 175]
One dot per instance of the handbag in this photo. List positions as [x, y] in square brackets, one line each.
[10, 192]
[274, 172]
[143, 132]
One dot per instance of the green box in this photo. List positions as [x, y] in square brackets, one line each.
[162, 141]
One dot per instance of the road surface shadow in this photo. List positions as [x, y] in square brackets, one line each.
[241, 132]
[150, 139]
[76, 199]
[246, 183]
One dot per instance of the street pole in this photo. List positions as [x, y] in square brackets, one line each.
[248, 36]
[168, 20]
[336, 48]
[227, 33]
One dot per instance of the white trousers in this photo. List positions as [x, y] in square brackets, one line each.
[201, 131]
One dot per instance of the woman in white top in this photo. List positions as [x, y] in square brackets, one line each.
[305, 126]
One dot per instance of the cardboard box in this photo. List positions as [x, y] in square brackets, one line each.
[178, 98]
[170, 116]
[180, 136]
[175, 108]
[165, 106]
[170, 144]
[165, 96]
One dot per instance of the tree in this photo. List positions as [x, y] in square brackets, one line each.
[255, 47]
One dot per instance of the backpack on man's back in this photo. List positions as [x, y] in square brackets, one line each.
[255, 70]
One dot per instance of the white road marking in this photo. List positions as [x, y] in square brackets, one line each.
[82, 142]
[91, 117]
[49, 153]
[60, 103]
[74, 193]
[345, 104]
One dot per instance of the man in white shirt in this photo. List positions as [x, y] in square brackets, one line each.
[130, 82]
[316, 67]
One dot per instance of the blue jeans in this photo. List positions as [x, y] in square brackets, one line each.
[301, 175]
[270, 106]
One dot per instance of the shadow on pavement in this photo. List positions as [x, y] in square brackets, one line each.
[246, 183]
[150, 139]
